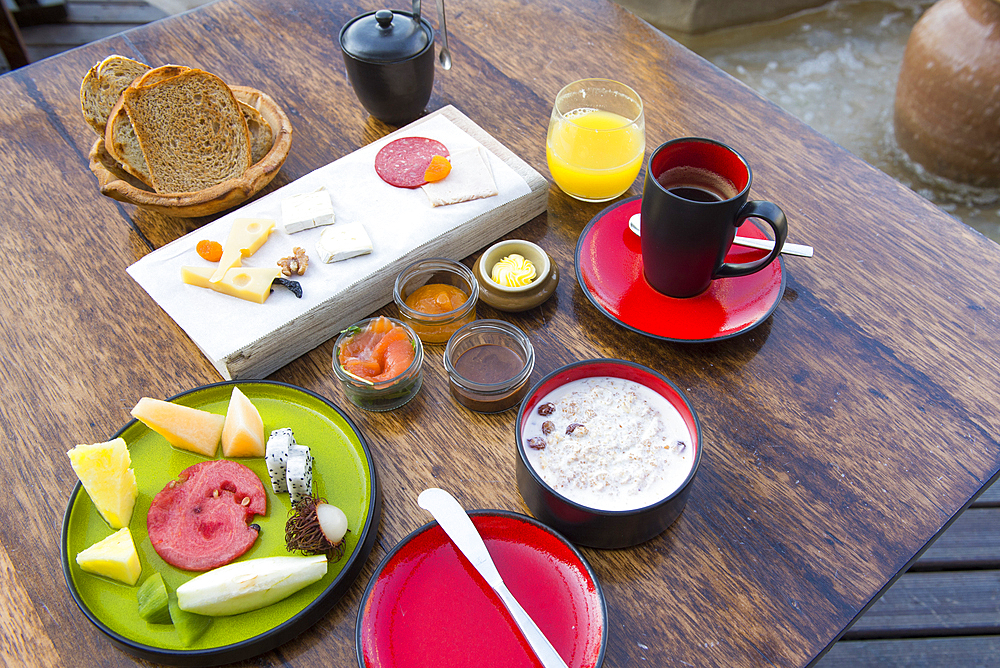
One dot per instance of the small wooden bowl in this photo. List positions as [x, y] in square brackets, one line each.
[119, 185]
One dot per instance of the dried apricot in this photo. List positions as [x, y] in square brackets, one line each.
[210, 250]
[439, 168]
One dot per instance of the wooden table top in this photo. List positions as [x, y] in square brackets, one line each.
[842, 434]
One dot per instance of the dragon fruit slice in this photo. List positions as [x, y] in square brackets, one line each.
[276, 456]
[299, 473]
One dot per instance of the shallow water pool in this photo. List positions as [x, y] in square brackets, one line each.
[835, 67]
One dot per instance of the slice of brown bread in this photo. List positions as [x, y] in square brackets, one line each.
[190, 129]
[121, 143]
[261, 136]
[103, 85]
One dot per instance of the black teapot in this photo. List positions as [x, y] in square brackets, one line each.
[389, 56]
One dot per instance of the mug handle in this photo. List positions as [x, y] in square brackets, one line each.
[773, 216]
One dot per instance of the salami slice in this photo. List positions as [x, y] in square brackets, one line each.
[402, 162]
[199, 521]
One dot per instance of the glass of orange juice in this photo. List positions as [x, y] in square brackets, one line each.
[596, 139]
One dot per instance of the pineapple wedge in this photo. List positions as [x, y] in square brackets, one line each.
[114, 557]
[103, 468]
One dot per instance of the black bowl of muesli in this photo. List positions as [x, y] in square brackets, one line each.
[606, 452]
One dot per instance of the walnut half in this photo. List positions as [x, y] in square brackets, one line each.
[294, 264]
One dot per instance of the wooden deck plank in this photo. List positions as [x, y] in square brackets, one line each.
[972, 541]
[977, 652]
[934, 605]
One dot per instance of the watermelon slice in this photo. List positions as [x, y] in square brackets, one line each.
[202, 520]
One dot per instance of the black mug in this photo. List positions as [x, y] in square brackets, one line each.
[693, 200]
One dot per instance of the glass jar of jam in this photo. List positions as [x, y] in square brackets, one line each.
[435, 297]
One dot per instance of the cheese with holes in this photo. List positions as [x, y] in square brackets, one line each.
[245, 237]
[306, 211]
[250, 283]
[343, 241]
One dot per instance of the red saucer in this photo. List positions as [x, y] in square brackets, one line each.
[427, 606]
[609, 269]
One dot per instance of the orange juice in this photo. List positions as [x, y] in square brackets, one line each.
[593, 154]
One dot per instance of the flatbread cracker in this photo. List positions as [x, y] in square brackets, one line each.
[471, 178]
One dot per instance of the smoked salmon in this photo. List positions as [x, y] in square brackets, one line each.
[380, 352]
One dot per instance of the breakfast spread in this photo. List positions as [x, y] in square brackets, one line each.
[513, 271]
[202, 520]
[436, 298]
[176, 129]
[608, 443]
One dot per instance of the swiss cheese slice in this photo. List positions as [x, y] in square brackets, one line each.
[250, 283]
[245, 237]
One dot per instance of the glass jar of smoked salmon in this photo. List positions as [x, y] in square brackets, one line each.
[435, 297]
[379, 362]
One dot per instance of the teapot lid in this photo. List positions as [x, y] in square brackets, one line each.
[384, 36]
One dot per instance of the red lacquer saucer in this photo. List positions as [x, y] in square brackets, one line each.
[427, 606]
[609, 269]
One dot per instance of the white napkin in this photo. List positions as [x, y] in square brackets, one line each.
[398, 221]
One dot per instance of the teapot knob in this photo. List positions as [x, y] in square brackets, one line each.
[384, 18]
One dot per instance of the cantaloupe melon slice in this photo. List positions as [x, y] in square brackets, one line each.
[243, 433]
[183, 427]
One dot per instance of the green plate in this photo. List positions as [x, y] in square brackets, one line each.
[343, 473]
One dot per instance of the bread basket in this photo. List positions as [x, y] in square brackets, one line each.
[119, 185]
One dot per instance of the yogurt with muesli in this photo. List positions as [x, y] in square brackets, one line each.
[608, 443]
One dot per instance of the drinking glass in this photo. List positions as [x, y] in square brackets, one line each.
[596, 139]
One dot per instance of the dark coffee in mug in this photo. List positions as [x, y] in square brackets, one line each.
[695, 196]
[697, 185]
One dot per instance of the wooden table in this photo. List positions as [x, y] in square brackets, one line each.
[841, 435]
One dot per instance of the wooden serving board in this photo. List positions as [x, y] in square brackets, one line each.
[249, 341]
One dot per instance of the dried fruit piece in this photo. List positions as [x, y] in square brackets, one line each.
[439, 168]
[536, 443]
[209, 250]
[547, 409]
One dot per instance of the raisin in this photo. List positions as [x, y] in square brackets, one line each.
[547, 409]
[548, 427]
[536, 443]
[577, 429]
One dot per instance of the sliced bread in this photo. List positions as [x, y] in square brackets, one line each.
[103, 85]
[261, 136]
[121, 144]
[190, 129]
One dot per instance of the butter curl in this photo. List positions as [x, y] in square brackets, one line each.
[513, 271]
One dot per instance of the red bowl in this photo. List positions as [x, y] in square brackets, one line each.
[593, 527]
[427, 606]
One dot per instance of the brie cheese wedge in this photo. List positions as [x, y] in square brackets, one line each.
[343, 241]
[306, 211]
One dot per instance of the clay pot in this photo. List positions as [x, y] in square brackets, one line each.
[947, 110]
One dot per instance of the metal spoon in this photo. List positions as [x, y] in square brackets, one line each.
[763, 244]
[445, 55]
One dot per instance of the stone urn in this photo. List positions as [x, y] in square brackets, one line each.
[947, 109]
